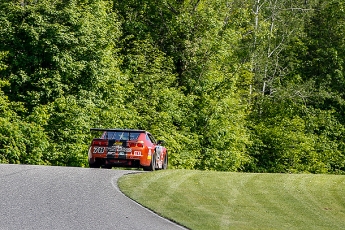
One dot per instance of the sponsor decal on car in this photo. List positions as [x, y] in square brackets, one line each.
[119, 148]
[149, 155]
[137, 153]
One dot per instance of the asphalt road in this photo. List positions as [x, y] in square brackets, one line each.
[43, 197]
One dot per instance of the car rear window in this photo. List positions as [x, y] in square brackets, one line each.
[120, 135]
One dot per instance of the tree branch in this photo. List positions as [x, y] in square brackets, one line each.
[171, 8]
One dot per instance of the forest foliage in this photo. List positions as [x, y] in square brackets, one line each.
[250, 86]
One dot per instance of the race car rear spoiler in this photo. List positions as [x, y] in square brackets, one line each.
[118, 130]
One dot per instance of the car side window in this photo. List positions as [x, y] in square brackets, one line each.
[151, 138]
[147, 138]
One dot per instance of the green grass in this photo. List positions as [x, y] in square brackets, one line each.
[224, 200]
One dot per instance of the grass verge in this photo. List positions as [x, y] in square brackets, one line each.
[225, 200]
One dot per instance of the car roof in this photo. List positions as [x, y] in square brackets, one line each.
[119, 130]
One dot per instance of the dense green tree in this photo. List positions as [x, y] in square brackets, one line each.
[202, 44]
[282, 114]
[230, 85]
[21, 141]
[62, 68]
[293, 137]
[324, 58]
[56, 49]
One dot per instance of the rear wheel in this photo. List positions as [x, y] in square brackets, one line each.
[152, 166]
[165, 162]
[94, 165]
[107, 167]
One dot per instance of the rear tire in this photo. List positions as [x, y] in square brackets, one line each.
[165, 162]
[152, 166]
[107, 167]
[94, 165]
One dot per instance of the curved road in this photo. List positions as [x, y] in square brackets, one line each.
[43, 197]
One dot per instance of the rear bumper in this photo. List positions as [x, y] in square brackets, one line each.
[115, 162]
[131, 157]
[119, 160]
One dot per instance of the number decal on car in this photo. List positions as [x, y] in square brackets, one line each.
[98, 149]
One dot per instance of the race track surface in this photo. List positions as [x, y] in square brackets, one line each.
[43, 197]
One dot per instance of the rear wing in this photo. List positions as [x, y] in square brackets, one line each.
[119, 134]
[118, 130]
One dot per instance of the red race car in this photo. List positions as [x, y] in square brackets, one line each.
[127, 148]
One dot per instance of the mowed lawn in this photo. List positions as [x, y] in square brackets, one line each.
[224, 200]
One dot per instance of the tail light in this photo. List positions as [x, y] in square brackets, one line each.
[136, 144]
[100, 143]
